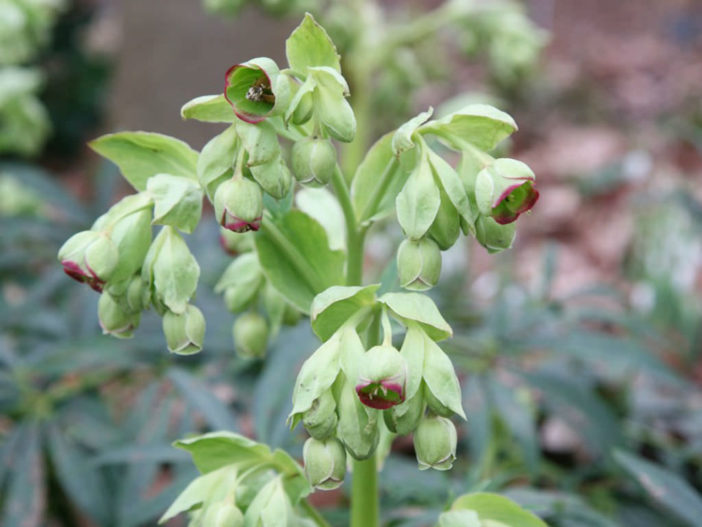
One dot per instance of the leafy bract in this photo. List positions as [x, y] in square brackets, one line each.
[310, 46]
[477, 125]
[209, 109]
[140, 155]
[334, 306]
[295, 256]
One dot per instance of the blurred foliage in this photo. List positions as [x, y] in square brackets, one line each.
[51, 86]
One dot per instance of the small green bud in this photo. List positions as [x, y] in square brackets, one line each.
[418, 264]
[137, 295]
[435, 405]
[435, 442]
[274, 177]
[313, 160]
[222, 514]
[114, 319]
[239, 204]
[89, 257]
[303, 110]
[493, 236]
[291, 316]
[321, 420]
[382, 378]
[257, 90]
[325, 463]
[241, 282]
[186, 332]
[404, 418]
[447, 224]
[358, 425]
[250, 334]
[132, 236]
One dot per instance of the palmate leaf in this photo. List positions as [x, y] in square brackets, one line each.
[25, 497]
[664, 487]
[80, 480]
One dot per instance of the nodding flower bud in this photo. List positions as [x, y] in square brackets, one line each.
[313, 160]
[222, 514]
[321, 420]
[325, 463]
[239, 205]
[256, 90]
[505, 189]
[250, 332]
[404, 418]
[493, 236]
[235, 243]
[184, 333]
[303, 109]
[435, 443]
[418, 264]
[382, 378]
[138, 295]
[89, 257]
[114, 319]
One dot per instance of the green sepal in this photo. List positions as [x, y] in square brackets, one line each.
[402, 139]
[309, 45]
[333, 307]
[209, 109]
[217, 159]
[416, 307]
[177, 201]
[419, 200]
[241, 282]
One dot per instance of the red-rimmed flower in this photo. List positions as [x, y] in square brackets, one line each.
[382, 378]
[89, 257]
[239, 205]
[505, 190]
[256, 90]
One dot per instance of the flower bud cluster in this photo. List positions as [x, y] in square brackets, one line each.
[483, 196]
[245, 290]
[346, 394]
[118, 258]
[246, 484]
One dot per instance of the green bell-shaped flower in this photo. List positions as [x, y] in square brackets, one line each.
[325, 463]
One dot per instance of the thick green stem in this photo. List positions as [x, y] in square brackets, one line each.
[365, 510]
[314, 514]
[355, 236]
[364, 497]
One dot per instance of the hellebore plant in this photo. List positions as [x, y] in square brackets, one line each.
[357, 391]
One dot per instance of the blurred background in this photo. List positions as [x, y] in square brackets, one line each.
[580, 349]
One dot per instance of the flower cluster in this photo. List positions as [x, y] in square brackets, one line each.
[348, 398]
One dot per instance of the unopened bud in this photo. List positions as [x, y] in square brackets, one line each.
[382, 378]
[321, 420]
[186, 332]
[89, 257]
[447, 225]
[132, 236]
[137, 295]
[404, 418]
[313, 160]
[303, 110]
[222, 514]
[493, 236]
[435, 442]
[239, 204]
[114, 319]
[250, 334]
[418, 264]
[325, 463]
